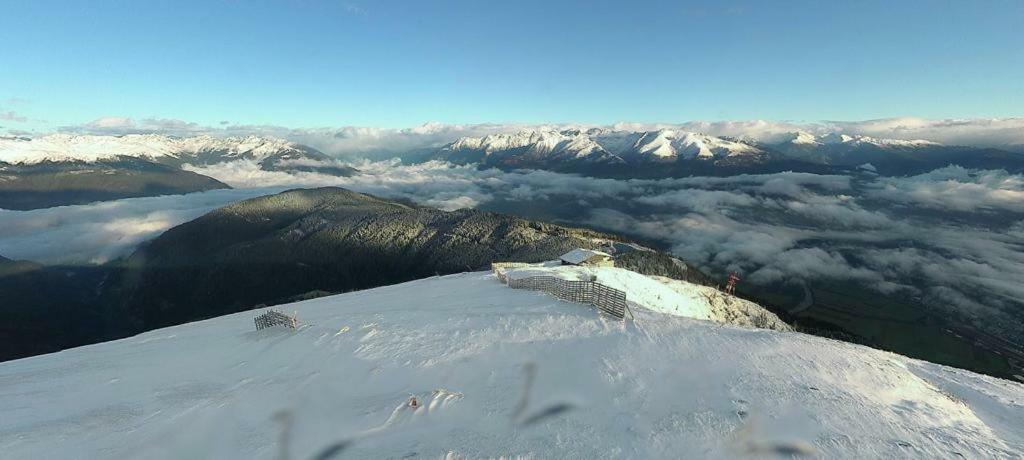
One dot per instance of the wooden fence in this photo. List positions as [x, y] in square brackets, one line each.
[274, 318]
[608, 300]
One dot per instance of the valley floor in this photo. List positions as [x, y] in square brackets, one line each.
[495, 372]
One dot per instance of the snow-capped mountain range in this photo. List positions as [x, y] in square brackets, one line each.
[678, 152]
[602, 145]
[668, 145]
[806, 138]
[153, 147]
[656, 153]
[544, 146]
[597, 146]
[63, 169]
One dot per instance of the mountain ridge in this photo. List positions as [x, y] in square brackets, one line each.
[325, 239]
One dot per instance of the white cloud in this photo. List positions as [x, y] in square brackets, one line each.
[988, 132]
[117, 126]
[955, 188]
[110, 124]
[11, 115]
[95, 233]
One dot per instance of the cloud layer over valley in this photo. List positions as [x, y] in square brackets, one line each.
[96, 233]
[950, 240]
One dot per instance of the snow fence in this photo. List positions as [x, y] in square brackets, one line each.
[606, 299]
[274, 318]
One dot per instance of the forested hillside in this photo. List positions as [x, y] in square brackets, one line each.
[304, 243]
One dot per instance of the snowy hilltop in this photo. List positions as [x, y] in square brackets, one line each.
[462, 366]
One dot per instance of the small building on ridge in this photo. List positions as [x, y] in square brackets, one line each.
[587, 257]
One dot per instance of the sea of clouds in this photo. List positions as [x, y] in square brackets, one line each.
[99, 232]
[953, 238]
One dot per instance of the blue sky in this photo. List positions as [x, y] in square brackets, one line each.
[306, 63]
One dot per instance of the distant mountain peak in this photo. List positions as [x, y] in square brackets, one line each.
[800, 138]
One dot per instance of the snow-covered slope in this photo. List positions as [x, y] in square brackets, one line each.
[670, 145]
[835, 147]
[858, 140]
[800, 138]
[895, 157]
[495, 372]
[663, 295]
